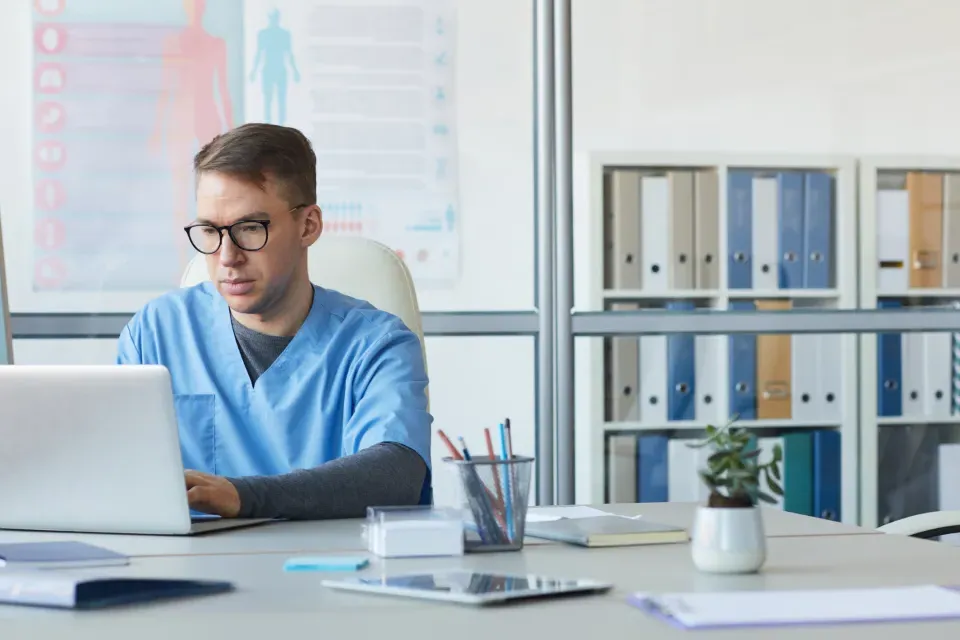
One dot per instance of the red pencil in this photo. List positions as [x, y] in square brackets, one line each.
[453, 450]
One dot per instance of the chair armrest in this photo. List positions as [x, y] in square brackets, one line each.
[925, 525]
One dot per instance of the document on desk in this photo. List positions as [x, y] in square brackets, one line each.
[814, 606]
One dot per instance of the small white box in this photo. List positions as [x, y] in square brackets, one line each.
[404, 532]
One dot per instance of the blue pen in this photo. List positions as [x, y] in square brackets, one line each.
[507, 496]
[466, 453]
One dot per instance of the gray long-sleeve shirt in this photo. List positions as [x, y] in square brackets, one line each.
[386, 474]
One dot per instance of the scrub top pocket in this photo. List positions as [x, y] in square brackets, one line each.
[196, 419]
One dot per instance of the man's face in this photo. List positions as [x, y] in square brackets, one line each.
[252, 282]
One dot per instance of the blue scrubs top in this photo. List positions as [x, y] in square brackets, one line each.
[352, 377]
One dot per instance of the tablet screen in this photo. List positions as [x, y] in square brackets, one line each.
[470, 586]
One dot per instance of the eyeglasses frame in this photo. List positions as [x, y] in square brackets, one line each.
[229, 229]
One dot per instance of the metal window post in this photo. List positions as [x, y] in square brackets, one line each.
[544, 176]
[564, 356]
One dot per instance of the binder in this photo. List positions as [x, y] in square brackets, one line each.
[621, 468]
[951, 230]
[827, 477]
[805, 361]
[926, 229]
[830, 380]
[765, 258]
[889, 368]
[683, 465]
[913, 375]
[818, 229]
[937, 374]
[798, 473]
[681, 371]
[652, 475]
[655, 233]
[681, 271]
[623, 358]
[623, 229]
[948, 483]
[707, 230]
[774, 393]
[708, 353]
[739, 230]
[742, 368]
[893, 237]
[790, 237]
[653, 379]
[955, 368]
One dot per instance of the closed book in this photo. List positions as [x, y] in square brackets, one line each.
[58, 555]
[606, 531]
[70, 591]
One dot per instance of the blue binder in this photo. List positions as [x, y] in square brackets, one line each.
[743, 369]
[826, 474]
[790, 229]
[739, 229]
[818, 230]
[889, 369]
[681, 371]
[652, 477]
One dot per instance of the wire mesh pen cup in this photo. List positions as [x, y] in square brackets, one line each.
[494, 495]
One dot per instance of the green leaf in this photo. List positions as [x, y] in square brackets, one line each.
[777, 453]
[767, 498]
[751, 454]
[774, 486]
[774, 469]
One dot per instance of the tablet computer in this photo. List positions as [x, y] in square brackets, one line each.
[469, 587]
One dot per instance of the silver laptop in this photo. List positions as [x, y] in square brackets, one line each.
[94, 448]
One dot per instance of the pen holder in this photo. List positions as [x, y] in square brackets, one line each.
[494, 494]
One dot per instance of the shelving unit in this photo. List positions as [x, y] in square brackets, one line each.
[909, 257]
[595, 292]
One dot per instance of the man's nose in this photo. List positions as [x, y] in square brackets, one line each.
[230, 254]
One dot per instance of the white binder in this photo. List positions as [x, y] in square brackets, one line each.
[708, 357]
[683, 465]
[914, 372]
[805, 365]
[653, 379]
[766, 455]
[948, 480]
[655, 233]
[830, 379]
[937, 374]
[764, 233]
[893, 240]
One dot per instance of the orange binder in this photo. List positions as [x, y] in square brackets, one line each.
[926, 229]
[774, 387]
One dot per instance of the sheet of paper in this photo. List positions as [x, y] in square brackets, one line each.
[741, 608]
[546, 514]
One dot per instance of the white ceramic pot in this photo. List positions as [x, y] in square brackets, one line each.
[728, 540]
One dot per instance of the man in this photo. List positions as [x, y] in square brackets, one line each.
[293, 401]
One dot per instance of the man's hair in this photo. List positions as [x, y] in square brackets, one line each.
[257, 151]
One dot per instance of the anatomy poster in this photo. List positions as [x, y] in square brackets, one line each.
[125, 93]
[371, 83]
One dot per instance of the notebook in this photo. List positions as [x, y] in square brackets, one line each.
[58, 555]
[606, 531]
[72, 591]
[795, 607]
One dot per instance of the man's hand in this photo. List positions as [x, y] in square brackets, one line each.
[212, 494]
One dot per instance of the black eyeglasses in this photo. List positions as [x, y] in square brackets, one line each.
[249, 235]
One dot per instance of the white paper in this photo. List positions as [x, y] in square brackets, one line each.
[806, 606]
[546, 514]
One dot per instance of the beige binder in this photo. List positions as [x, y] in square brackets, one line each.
[774, 385]
[707, 230]
[951, 230]
[681, 230]
[622, 209]
[926, 229]
[623, 381]
[621, 468]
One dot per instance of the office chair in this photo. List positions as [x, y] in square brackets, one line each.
[925, 525]
[358, 267]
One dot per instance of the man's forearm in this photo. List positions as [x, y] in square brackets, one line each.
[387, 474]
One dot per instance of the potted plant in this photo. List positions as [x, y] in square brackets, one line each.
[728, 534]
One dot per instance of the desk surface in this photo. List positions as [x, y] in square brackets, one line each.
[274, 604]
[313, 537]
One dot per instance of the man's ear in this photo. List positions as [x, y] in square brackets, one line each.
[312, 225]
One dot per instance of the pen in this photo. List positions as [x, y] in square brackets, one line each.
[466, 452]
[507, 498]
[453, 450]
[498, 506]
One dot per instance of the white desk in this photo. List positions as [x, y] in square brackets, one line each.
[302, 537]
[272, 604]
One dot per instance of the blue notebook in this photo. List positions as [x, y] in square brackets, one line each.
[72, 591]
[58, 555]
